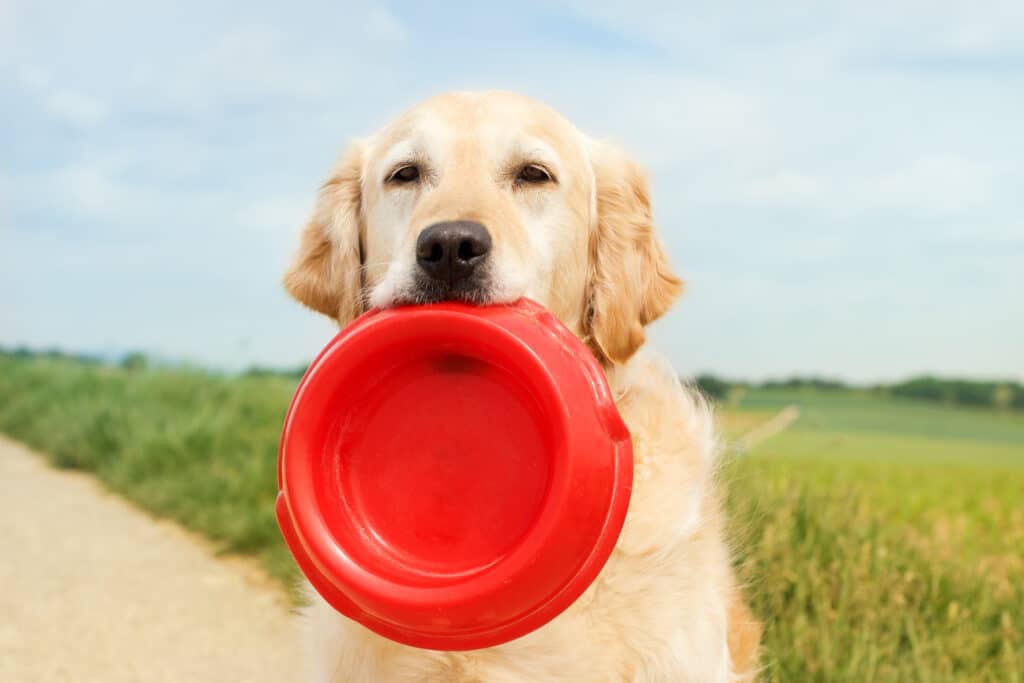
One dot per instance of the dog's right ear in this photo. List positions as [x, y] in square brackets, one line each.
[631, 281]
[326, 274]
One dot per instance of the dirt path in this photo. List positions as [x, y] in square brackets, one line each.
[766, 430]
[94, 591]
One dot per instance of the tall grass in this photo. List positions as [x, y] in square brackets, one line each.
[883, 539]
[876, 571]
[194, 447]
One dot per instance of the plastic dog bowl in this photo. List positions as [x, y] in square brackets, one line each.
[451, 476]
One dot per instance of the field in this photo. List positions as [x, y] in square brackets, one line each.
[881, 539]
[884, 538]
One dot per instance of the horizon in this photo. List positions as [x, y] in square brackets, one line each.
[834, 211]
[153, 361]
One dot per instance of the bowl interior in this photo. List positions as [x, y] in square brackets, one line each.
[440, 460]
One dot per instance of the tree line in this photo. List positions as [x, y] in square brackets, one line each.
[1004, 395]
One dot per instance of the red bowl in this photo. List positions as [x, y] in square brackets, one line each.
[452, 476]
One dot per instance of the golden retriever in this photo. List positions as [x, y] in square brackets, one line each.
[489, 197]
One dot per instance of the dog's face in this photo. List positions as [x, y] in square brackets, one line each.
[487, 198]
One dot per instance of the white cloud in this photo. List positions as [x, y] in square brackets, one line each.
[105, 191]
[800, 34]
[246, 62]
[34, 77]
[383, 25]
[8, 21]
[76, 107]
[665, 118]
[272, 215]
[90, 190]
[6, 199]
[270, 55]
[784, 188]
[937, 185]
[957, 28]
[928, 187]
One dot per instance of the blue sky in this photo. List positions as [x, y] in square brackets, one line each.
[841, 184]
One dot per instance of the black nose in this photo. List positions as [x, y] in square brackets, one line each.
[451, 251]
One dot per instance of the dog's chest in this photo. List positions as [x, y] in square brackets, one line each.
[622, 629]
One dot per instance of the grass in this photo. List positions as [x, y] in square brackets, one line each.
[881, 539]
[193, 447]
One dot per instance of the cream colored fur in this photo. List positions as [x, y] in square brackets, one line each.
[665, 607]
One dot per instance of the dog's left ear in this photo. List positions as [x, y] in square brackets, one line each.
[631, 283]
[326, 273]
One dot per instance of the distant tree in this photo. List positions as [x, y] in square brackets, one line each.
[805, 383]
[1018, 397]
[134, 361]
[713, 387]
[962, 392]
[928, 388]
[261, 371]
[971, 393]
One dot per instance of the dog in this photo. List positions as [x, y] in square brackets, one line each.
[488, 197]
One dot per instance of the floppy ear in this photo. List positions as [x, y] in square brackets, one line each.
[326, 274]
[630, 280]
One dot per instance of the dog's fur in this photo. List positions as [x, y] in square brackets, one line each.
[666, 607]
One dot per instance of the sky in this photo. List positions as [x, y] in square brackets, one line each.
[840, 184]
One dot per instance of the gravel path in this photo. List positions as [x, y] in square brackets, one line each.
[92, 590]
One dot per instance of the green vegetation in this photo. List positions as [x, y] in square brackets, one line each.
[964, 392]
[198, 448]
[713, 387]
[882, 538]
[1006, 395]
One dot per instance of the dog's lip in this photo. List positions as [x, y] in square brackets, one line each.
[423, 298]
[431, 292]
[481, 291]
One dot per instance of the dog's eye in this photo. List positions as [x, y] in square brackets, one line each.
[405, 174]
[533, 174]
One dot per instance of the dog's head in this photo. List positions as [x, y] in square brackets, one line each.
[488, 197]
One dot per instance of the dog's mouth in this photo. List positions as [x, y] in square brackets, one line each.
[476, 289]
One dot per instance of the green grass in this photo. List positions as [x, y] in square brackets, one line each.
[865, 412]
[194, 447]
[881, 539]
